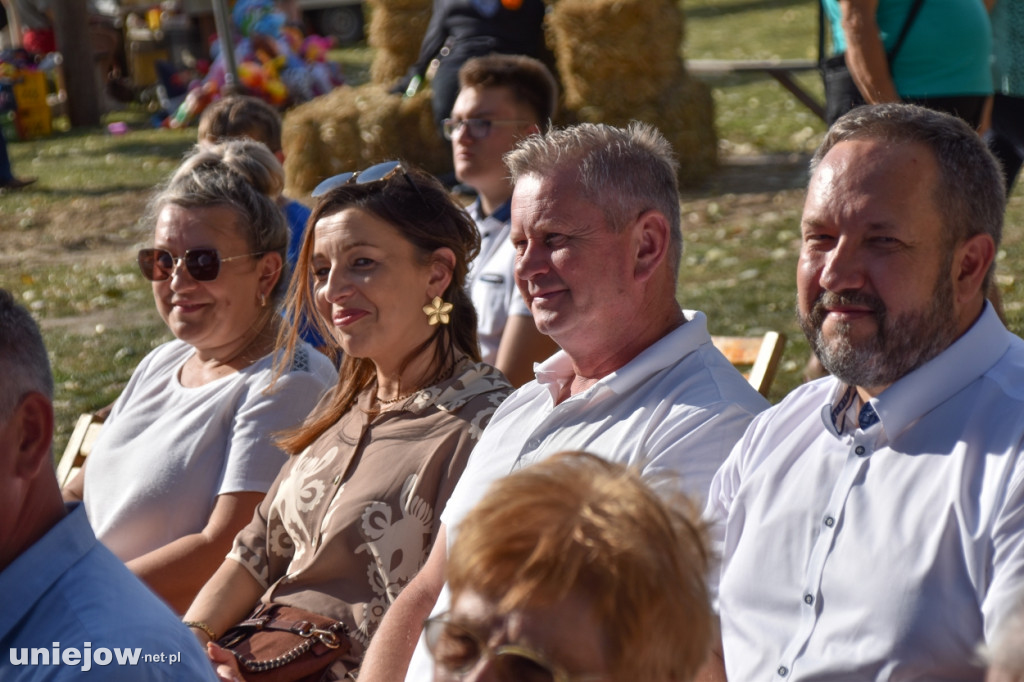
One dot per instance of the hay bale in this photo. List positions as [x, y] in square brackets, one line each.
[616, 48]
[685, 116]
[320, 139]
[387, 67]
[619, 60]
[353, 128]
[396, 32]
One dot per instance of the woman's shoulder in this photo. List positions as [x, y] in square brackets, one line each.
[473, 387]
[305, 365]
[311, 361]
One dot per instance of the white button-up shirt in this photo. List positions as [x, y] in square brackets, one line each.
[884, 552]
[491, 283]
[678, 406]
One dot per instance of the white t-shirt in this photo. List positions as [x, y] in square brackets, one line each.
[887, 552]
[679, 407]
[166, 452]
[491, 283]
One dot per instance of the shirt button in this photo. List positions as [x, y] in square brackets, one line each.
[533, 444]
[808, 599]
[829, 521]
[859, 449]
[782, 671]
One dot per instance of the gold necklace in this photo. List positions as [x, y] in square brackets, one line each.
[391, 401]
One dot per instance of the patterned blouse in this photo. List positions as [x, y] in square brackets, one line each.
[350, 520]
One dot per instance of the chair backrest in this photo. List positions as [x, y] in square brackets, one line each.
[762, 354]
[87, 428]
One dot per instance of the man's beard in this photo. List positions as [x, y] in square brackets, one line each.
[901, 344]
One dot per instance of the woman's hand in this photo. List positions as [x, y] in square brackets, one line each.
[224, 663]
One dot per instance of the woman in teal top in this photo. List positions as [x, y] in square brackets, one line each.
[943, 63]
[1006, 136]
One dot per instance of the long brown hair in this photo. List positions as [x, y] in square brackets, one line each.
[423, 212]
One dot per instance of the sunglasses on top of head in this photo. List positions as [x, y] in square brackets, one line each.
[203, 265]
[380, 172]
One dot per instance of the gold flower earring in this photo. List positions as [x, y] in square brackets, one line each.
[438, 311]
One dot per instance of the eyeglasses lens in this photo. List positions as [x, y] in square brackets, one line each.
[457, 650]
[522, 669]
[478, 128]
[157, 265]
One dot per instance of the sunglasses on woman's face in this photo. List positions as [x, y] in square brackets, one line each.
[203, 265]
[378, 173]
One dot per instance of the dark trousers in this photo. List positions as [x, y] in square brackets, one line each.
[5, 161]
[1005, 138]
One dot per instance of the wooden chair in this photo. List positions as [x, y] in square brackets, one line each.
[87, 428]
[761, 353]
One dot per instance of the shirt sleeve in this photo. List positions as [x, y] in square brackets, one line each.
[253, 458]
[1007, 585]
[251, 547]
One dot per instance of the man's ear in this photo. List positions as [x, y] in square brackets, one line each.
[971, 262]
[32, 435]
[652, 239]
[442, 264]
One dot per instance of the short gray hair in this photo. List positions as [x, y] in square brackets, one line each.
[970, 191]
[240, 174]
[624, 171]
[24, 364]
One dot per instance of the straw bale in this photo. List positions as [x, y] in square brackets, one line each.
[396, 34]
[387, 67]
[352, 128]
[320, 138]
[684, 114]
[616, 48]
[400, 5]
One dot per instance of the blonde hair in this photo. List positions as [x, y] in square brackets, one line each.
[578, 522]
[242, 175]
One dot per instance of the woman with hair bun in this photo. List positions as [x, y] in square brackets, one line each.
[188, 450]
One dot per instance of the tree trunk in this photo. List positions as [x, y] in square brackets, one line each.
[74, 41]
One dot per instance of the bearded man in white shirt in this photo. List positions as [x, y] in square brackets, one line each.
[596, 228]
[873, 522]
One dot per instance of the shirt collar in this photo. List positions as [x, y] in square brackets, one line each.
[922, 390]
[502, 214]
[557, 370]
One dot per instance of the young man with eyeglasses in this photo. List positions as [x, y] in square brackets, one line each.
[503, 98]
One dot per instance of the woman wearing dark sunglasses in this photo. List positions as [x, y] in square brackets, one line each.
[354, 512]
[187, 451]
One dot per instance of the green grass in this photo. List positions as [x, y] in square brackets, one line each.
[89, 162]
[754, 114]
